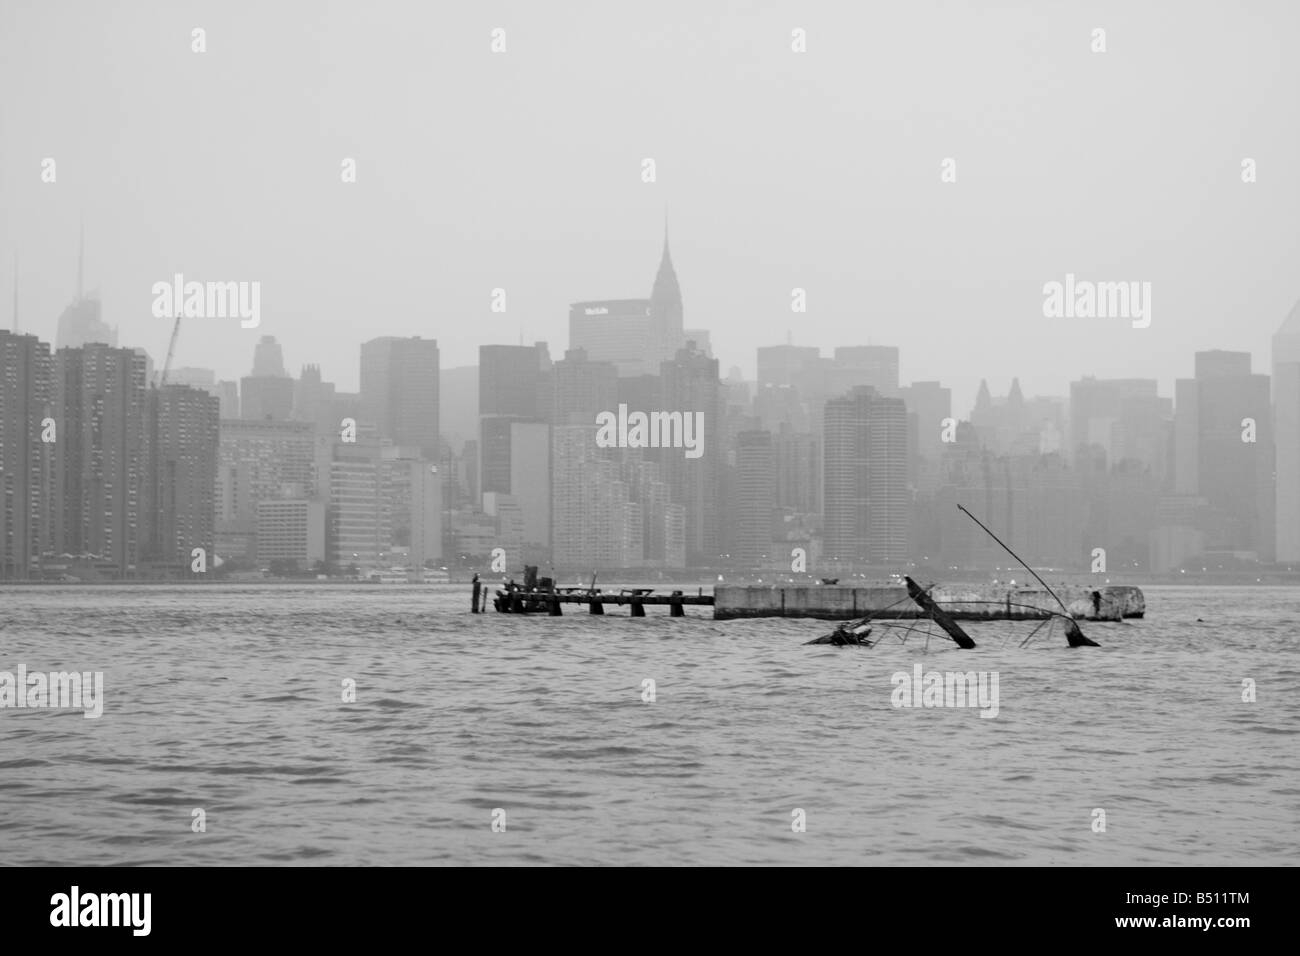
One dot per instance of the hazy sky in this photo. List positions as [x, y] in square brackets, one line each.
[522, 170]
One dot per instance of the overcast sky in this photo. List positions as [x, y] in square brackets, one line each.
[522, 170]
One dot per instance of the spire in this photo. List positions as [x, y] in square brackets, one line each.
[666, 291]
[1015, 397]
[1291, 324]
[81, 256]
[15, 293]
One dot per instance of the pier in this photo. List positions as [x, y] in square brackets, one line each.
[961, 603]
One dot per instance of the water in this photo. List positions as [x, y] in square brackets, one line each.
[229, 699]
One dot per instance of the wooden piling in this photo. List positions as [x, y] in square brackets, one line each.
[597, 607]
[638, 609]
[675, 608]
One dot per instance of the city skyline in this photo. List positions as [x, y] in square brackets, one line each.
[783, 176]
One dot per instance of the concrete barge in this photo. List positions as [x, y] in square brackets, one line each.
[833, 602]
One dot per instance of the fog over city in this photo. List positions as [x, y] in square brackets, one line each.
[522, 170]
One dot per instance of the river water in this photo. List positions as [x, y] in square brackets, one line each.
[229, 700]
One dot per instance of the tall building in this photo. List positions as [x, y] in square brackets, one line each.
[80, 324]
[514, 387]
[266, 398]
[615, 330]
[867, 504]
[99, 460]
[583, 389]
[1215, 458]
[637, 335]
[689, 384]
[399, 390]
[358, 522]
[268, 358]
[931, 403]
[783, 365]
[666, 333]
[291, 531]
[1123, 417]
[755, 487]
[873, 365]
[458, 404]
[26, 389]
[513, 379]
[313, 399]
[258, 461]
[181, 432]
[1286, 411]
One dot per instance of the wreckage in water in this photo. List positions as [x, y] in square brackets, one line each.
[927, 607]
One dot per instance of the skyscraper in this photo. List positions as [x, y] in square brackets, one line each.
[99, 459]
[1286, 405]
[867, 505]
[755, 499]
[1224, 453]
[666, 335]
[181, 430]
[399, 390]
[689, 384]
[514, 386]
[26, 384]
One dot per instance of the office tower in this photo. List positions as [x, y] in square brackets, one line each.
[358, 516]
[689, 384]
[181, 430]
[1217, 462]
[513, 380]
[228, 394]
[258, 461]
[597, 525]
[931, 403]
[755, 485]
[399, 390]
[873, 365]
[781, 365]
[583, 389]
[1286, 405]
[415, 489]
[666, 334]
[99, 458]
[637, 335]
[867, 505]
[291, 531]
[458, 404]
[514, 387]
[1123, 417]
[205, 378]
[797, 463]
[268, 358]
[26, 391]
[778, 405]
[266, 398]
[313, 399]
[615, 330]
[80, 324]
[530, 479]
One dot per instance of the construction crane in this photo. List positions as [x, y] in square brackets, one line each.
[171, 348]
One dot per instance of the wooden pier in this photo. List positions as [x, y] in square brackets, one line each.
[525, 601]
